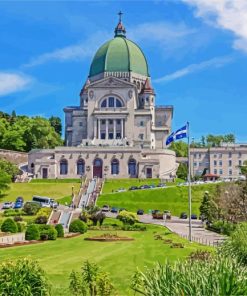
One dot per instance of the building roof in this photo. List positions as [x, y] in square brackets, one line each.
[119, 55]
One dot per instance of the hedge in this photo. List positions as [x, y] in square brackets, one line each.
[32, 232]
[60, 230]
[78, 226]
[9, 225]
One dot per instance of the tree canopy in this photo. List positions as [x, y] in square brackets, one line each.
[23, 133]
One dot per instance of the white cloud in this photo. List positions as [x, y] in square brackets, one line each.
[226, 14]
[13, 82]
[193, 68]
[75, 52]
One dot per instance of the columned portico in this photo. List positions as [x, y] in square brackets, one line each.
[109, 128]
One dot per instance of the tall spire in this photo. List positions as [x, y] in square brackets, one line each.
[120, 29]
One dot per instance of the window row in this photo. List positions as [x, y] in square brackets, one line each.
[111, 102]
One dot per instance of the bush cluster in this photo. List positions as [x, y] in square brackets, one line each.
[78, 226]
[48, 231]
[32, 232]
[12, 212]
[222, 227]
[31, 208]
[9, 225]
[41, 220]
[135, 227]
[128, 218]
[60, 230]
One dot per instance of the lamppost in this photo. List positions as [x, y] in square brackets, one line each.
[192, 162]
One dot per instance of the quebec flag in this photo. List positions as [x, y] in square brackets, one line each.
[179, 134]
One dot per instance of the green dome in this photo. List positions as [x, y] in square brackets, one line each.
[119, 55]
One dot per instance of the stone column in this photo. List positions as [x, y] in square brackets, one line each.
[114, 129]
[98, 128]
[122, 128]
[106, 122]
[95, 128]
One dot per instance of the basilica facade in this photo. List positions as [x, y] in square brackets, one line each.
[117, 131]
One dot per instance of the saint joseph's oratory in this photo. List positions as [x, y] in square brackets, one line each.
[116, 131]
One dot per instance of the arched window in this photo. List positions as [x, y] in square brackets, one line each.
[32, 168]
[115, 167]
[111, 102]
[80, 167]
[63, 167]
[132, 168]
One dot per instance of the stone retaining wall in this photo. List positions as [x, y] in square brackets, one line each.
[15, 157]
[12, 238]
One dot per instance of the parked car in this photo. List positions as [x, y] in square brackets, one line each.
[121, 190]
[183, 215]
[144, 187]
[133, 188]
[168, 215]
[152, 186]
[105, 208]
[194, 216]
[161, 185]
[7, 205]
[19, 199]
[140, 212]
[114, 210]
[18, 205]
[157, 214]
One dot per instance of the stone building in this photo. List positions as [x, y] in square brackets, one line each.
[223, 161]
[117, 130]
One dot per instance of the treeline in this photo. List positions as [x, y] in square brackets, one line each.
[23, 133]
[181, 148]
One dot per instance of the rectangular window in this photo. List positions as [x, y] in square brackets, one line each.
[221, 172]
[141, 123]
[103, 121]
[110, 121]
[80, 123]
[215, 155]
[195, 155]
[118, 121]
[111, 102]
[230, 154]
[230, 172]
[141, 136]
[200, 155]
[102, 136]
[110, 136]
[118, 135]
[220, 155]
[240, 162]
[230, 163]
[215, 171]
[215, 162]
[195, 164]
[220, 163]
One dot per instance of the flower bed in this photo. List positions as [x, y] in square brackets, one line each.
[16, 244]
[107, 237]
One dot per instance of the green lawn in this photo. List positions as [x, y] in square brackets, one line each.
[112, 185]
[27, 190]
[120, 259]
[174, 199]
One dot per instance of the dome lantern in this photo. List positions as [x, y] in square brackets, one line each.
[120, 29]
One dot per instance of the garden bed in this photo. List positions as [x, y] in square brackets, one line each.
[108, 238]
[16, 244]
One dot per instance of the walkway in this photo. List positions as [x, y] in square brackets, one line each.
[85, 198]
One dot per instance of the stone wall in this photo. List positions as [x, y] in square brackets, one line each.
[15, 157]
[12, 238]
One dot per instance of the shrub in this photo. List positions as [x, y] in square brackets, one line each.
[222, 227]
[9, 225]
[236, 245]
[18, 219]
[23, 277]
[135, 227]
[32, 232]
[31, 208]
[220, 276]
[44, 212]
[21, 226]
[60, 230]
[127, 217]
[41, 220]
[12, 212]
[200, 255]
[44, 237]
[48, 230]
[78, 226]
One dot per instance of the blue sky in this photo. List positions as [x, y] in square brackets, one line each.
[196, 51]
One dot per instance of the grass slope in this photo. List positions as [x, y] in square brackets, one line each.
[27, 190]
[112, 185]
[120, 259]
[174, 199]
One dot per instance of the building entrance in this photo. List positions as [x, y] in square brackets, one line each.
[97, 168]
[44, 173]
[149, 173]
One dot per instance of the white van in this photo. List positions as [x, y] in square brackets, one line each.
[45, 202]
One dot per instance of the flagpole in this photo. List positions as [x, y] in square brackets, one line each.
[189, 183]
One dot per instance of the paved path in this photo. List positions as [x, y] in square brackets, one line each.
[181, 227]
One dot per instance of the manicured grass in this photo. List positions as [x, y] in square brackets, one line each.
[27, 190]
[56, 180]
[120, 259]
[174, 199]
[112, 185]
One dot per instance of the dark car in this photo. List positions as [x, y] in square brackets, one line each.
[133, 188]
[18, 205]
[144, 187]
[140, 212]
[194, 216]
[183, 215]
[161, 185]
[114, 210]
[168, 215]
[105, 208]
[19, 199]
[157, 214]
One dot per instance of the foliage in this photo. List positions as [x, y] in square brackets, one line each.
[21, 226]
[200, 255]
[18, 218]
[97, 217]
[236, 245]
[41, 220]
[24, 133]
[92, 281]
[32, 232]
[60, 230]
[13, 212]
[127, 217]
[208, 208]
[9, 168]
[56, 180]
[182, 171]
[56, 124]
[48, 230]
[23, 277]
[78, 226]
[219, 276]
[5, 180]
[44, 212]
[9, 225]
[222, 227]
[31, 208]
[180, 148]
[243, 168]
[135, 227]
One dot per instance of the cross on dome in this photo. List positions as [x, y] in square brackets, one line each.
[120, 29]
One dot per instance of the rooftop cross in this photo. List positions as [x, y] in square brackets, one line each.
[120, 16]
